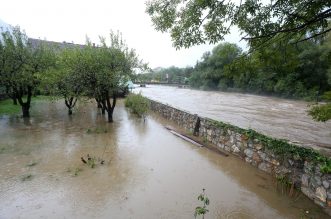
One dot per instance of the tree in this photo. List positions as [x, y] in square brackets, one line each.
[106, 69]
[21, 66]
[65, 80]
[212, 71]
[199, 21]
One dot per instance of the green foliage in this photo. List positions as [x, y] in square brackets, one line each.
[22, 66]
[172, 75]
[213, 71]
[291, 71]
[202, 210]
[138, 104]
[320, 113]
[196, 22]
[7, 107]
[91, 162]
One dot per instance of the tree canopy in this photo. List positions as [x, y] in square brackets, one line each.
[70, 71]
[21, 66]
[195, 22]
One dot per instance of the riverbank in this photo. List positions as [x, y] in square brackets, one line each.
[303, 168]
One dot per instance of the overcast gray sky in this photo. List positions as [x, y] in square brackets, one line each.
[64, 20]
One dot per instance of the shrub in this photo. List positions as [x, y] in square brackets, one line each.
[138, 104]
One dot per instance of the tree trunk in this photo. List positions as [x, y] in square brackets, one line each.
[26, 110]
[14, 100]
[25, 106]
[103, 106]
[70, 103]
[110, 116]
[110, 107]
[99, 105]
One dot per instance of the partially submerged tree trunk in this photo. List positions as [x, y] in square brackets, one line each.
[25, 106]
[107, 106]
[99, 105]
[70, 103]
[26, 110]
[10, 93]
[103, 106]
[14, 100]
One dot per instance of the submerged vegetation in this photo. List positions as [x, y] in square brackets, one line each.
[138, 104]
[8, 108]
[202, 210]
[96, 130]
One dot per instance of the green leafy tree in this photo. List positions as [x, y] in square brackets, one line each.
[106, 69]
[212, 71]
[200, 21]
[65, 80]
[21, 67]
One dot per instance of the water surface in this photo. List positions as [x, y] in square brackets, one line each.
[276, 117]
[148, 172]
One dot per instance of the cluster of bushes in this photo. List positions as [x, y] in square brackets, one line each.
[138, 104]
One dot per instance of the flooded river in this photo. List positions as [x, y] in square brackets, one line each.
[279, 118]
[147, 171]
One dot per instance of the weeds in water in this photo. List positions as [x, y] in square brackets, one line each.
[26, 177]
[138, 104]
[92, 161]
[75, 172]
[204, 139]
[96, 130]
[34, 163]
[287, 187]
[202, 210]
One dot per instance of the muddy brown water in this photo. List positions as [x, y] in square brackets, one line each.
[276, 117]
[148, 172]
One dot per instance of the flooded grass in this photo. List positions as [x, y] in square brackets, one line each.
[26, 177]
[8, 108]
[75, 171]
[137, 169]
[96, 130]
[32, 164]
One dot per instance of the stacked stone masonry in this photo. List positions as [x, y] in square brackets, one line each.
[305, 175]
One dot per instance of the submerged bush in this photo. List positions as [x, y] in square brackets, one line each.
[138, 104]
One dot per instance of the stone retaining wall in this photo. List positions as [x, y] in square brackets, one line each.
[304, 174]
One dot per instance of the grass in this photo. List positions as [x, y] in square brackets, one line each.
[8, 108]
[75, 171]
